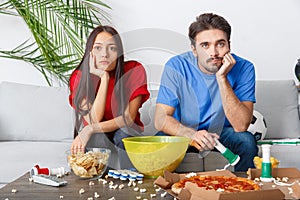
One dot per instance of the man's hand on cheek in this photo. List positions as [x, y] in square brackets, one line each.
[228, 63]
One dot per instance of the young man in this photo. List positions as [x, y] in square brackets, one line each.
[208, 93]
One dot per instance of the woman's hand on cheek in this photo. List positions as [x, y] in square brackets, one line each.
[93, 68]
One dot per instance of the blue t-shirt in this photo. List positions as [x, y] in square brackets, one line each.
[195, 95]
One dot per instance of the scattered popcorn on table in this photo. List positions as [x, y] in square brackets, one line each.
[143, 190]
[163, 194]
[91, 183]
[273, 186]
[157, 189]
[136, 189]
[30, 179]
[90, 198]
[113, 198]
[140, 182]
[116, 186]
[61, 197]
[133, 183]
[285, 179]
[103, 181]
[152, 195]
[121, 186]
[138, 197]
[113, 186]
[81, 191]
[130, 184]
[96, 195]
[14, 190]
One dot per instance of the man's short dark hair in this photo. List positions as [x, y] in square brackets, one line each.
[208, 21]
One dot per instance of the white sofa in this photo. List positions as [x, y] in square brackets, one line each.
[36, 127]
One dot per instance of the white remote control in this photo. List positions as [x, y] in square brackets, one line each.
[48, 180]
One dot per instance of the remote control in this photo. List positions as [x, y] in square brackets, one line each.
[48, 180]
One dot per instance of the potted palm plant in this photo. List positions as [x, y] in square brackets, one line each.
[59, 29]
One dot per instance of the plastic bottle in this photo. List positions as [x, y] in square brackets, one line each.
[232, 158]
[35, 170]
[266, 168]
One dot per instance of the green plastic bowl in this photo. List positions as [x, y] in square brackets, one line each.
[152, 155]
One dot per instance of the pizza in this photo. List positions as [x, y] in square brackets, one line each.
[217, 183]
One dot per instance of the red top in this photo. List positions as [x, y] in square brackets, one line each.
[135, 84]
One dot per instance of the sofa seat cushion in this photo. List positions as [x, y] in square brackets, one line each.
[277, 101]
[19, 157]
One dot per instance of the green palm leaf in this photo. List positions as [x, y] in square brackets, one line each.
[59, 29]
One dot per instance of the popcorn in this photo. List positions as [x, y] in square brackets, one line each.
[152, 196]
[285, 179]
[91, 183]
[96, 195]
[143, 190]
[81, 191]
[163, 194]
[14, 190]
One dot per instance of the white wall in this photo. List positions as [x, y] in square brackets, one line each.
[266, 32]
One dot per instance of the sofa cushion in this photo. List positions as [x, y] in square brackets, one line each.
[35, 113]
[278, 103]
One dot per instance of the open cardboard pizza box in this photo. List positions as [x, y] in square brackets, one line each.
[269, 190]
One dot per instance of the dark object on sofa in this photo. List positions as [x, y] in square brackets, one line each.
[297, 70]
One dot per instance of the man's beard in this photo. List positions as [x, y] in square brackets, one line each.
[213, 67]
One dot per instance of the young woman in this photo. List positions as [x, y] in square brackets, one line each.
[105, 91]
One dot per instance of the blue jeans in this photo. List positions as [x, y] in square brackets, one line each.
[241, 143]
[108, 140]
[118, 136]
